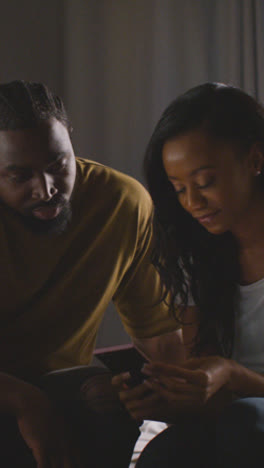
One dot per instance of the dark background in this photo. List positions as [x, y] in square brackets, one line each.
[118, 63]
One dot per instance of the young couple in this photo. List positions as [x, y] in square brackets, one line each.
[75, 235]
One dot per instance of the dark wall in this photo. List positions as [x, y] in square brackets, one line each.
[31, 41]
[32, 47]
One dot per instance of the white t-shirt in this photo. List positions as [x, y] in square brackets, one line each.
[249, 326]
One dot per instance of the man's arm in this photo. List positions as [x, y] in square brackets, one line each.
[15, 394]
[40, 426]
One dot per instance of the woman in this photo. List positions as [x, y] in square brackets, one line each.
[204, 167]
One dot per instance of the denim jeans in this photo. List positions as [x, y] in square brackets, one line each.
[235, 439]
[106, 439]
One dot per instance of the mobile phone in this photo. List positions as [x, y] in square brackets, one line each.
[137, 377]
[123, 358]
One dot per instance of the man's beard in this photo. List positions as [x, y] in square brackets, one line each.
[49, 227]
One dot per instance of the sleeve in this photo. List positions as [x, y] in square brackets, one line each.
[138, 296]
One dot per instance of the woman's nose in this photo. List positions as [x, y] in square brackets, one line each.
[194, 200]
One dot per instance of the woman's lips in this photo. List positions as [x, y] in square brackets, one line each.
[208, 218]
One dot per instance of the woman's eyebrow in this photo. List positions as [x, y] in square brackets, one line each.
[195, 171]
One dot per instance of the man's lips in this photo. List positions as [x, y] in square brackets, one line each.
[207, 218]
[46, 212]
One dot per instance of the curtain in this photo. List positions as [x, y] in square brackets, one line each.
[126, 60]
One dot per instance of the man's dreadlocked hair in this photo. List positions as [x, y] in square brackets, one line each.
[24, 104]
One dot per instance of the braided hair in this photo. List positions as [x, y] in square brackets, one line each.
[24, 104]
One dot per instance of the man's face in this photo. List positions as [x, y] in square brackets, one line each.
[37, 175]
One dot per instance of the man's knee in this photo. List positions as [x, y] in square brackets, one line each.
[104, 429]
[13, 450]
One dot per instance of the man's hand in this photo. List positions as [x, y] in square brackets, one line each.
[45, 433]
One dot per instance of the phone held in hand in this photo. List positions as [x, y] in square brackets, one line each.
[123, 358]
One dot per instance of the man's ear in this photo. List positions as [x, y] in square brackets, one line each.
[256, 158]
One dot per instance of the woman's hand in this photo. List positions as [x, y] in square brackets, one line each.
[198, 384]
[191, 385]
[141, 402]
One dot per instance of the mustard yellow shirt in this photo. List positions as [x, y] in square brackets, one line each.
[54, 290]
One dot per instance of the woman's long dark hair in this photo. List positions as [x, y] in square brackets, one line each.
[188, 257]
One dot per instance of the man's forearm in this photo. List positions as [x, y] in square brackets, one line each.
[14, 394]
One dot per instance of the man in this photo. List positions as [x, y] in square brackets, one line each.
[74, 235]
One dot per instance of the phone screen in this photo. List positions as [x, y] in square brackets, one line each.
[124, 358]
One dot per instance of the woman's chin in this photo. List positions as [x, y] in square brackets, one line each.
[217, 230]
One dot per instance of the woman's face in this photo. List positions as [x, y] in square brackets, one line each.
[212, 183]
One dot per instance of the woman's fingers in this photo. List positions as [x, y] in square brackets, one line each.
[144, 408]
[166, 390]
[175, 385]
[150, 400]
[135, 393]
[166, 369]
[169, 384]
[196, 376]
[120, 381]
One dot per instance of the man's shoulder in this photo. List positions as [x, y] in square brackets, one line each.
[113, 182]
